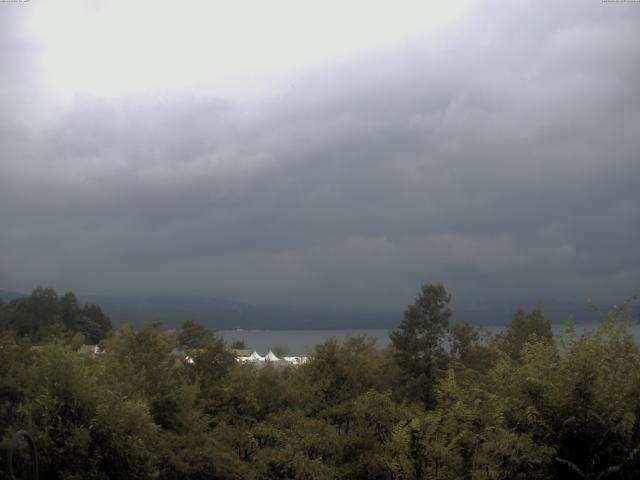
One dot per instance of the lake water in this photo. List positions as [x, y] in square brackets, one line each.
[299, 342]
[296, 342]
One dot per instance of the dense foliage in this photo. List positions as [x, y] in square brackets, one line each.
[45, 314]
[441, 402]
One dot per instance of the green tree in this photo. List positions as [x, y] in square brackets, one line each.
[463, 337]
[470, 346]
[36, 316]
[418, 341]
[524, 327]
[213, 363]
[94, 323]
[337, 374]
[292, 446]
[44, 314]
[194, 335]
[82, 428]
[138, 361]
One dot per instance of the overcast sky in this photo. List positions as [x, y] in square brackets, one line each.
[321, 153]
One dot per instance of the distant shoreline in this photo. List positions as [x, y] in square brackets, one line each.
[300, 341]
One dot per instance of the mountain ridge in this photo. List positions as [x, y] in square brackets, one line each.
[223, 314]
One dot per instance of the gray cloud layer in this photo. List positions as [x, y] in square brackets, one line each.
[501, 159]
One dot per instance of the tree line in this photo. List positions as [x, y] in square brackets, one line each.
[442, 401]
[44, 315]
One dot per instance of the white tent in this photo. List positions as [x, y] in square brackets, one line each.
[255, 357]
[270, 357]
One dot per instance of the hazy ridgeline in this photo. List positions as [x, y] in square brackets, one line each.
[523, 403]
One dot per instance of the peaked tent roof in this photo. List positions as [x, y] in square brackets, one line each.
[255, 356]
[270, 357]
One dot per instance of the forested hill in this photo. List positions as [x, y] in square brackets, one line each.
[225, 315]
[220, 314]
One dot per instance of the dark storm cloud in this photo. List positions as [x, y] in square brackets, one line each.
[501, 159]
